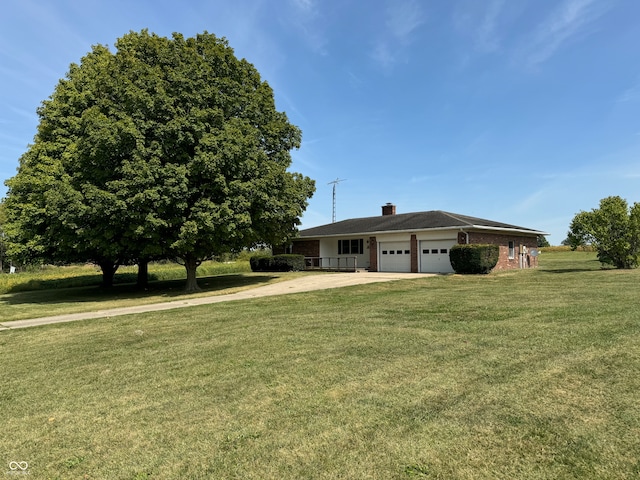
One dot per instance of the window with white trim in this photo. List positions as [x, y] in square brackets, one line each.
[512, 250]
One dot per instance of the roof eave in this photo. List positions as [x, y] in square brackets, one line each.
[506, 229]
[381, 232]
[414, 230]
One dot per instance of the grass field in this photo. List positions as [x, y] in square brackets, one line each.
[50, 277]
[60, 290]
[528, 374]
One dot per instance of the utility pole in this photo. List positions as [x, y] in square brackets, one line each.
[334, 183]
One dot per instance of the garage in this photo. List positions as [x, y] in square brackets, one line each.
[395, 257]
[434, 255]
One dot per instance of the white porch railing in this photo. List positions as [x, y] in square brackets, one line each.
[334, 264]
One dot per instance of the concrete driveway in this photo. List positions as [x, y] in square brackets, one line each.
[298, 285]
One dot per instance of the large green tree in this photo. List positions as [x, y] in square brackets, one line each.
[3, 242]
[165, 148]
[613, 230]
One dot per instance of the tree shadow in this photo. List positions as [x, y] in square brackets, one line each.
[169, 289]
[577, 270]
[572, 266]
[569, 270]
[79, 281]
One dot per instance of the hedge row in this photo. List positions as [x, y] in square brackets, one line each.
[277, 263]
[475, 258]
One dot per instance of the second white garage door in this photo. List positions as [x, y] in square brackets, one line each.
[434, 256]
[395, 257]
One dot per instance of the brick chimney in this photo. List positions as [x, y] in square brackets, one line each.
[388, 209]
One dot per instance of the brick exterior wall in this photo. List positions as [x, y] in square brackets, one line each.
[311, 248]
[504, 262]
[308, 248]
[373, 254]
[414, 254]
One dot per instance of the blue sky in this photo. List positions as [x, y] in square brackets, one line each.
[520, 111]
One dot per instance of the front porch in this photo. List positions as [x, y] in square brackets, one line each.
[332, 264]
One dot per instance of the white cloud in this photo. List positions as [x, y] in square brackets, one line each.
[480, 21]
[568, 21]
[305, 5]
[382, 55]
[402, 19]
[306, 17]
[487, 39]
[632, 94]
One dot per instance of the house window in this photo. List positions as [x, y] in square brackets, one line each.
[443, 250]
[512, 250]
[425, 251]
[353, 247]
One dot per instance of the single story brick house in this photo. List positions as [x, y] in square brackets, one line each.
[412, 242]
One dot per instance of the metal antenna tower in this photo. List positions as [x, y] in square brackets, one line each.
[334, 183]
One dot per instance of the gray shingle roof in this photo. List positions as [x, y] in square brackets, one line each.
[434, 219]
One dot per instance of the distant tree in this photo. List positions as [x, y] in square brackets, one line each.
[542, 241]
[167, 148]
[613, 230]
[3, 243]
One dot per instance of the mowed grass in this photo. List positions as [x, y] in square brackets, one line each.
[528, 374]
[74, 289]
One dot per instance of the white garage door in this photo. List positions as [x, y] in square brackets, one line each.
[434, 256]
[395, 257]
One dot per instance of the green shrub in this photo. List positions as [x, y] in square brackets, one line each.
[277, 263]
[474, 258]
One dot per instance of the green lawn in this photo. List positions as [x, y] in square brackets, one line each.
[517, 375]
[60, 290]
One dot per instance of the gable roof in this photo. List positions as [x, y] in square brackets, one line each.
[431, 220]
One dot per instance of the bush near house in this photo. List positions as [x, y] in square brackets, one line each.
[474, 258]
[277, 263]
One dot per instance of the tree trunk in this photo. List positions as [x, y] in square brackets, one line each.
[143, 273]
[191, 264]
[108, 271]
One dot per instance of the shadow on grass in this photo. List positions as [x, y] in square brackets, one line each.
[573, 270]
[594, 268]
[74, 282]
[586, 266]
[167, 288]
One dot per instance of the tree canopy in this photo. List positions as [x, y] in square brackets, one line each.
[613, 230]
[167, 148]
[542, 241]
[3, 242]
